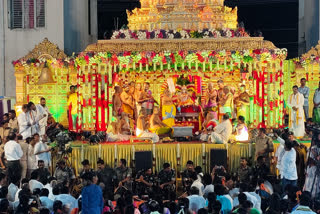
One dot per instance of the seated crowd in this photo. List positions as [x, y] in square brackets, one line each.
[252, 188]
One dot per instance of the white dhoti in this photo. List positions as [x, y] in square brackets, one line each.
[24, 128]
[204, 137]
[296, 118]
[153, 136]
[216, 138]
[43, 122]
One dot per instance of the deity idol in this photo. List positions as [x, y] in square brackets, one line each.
[184, 98]
[168, 109]
[242, 103]
[211, 104]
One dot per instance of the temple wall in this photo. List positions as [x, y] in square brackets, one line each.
[308, 24]
[80, 30]
[18, 42]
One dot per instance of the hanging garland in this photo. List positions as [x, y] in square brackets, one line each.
[127, 34]
[68, 62]
[197, 59]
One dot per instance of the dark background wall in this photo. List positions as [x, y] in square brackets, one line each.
[276, 19]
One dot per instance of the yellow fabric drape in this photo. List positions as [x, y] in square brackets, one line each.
[162, 153]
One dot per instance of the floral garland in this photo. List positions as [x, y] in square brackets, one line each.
[133, 60]
[179, 34]
[35, 63]
[303, 61]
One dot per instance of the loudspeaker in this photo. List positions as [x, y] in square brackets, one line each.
[218, 157]
[143, 160]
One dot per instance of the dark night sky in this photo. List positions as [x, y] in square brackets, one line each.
[276, 19]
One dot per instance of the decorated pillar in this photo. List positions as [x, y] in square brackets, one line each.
[20, 74]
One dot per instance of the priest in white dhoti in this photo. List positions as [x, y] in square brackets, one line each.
[33, 118]
[296, 113]
[24, 123]
[42, 115]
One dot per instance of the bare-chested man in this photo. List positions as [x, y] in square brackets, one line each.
[146, 99]
[226, 102]
[131, 88]
[220, 90]
[116, 131]
[127, 101]
[242, 102]
[116, 101]
[137, 94]
[124, 124]
[142, 127]
[211, 104]
[156, 125]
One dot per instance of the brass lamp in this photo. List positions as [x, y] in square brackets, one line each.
[45, 76]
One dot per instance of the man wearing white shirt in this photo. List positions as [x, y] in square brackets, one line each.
[34, 181]
[316, 105]
[222, 132]
[289, 173]
[32, 159]
[197, 183]
[279, 153]
[42, 151]
[24, 123]
[13, 153]
[42, 114]
[34, 119]
[24, 185]
[49, 186]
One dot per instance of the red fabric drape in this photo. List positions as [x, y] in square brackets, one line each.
[70, 117]
[31, 13]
